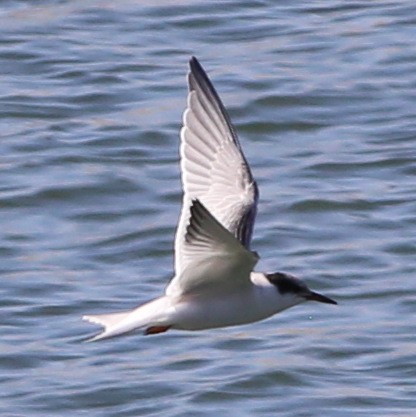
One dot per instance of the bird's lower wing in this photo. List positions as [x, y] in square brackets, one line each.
[215, 260]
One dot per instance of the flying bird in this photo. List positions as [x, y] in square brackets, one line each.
[214, 284]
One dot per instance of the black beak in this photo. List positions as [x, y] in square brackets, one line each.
[315, 296]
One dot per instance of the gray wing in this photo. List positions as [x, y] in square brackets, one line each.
[214, 169]
[215, 260]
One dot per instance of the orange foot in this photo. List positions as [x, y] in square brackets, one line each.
[156, 329]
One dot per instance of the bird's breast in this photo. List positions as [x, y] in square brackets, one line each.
[202, 312]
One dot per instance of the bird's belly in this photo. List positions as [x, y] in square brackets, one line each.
[230, 310]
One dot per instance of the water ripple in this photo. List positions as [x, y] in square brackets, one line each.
[91, 100]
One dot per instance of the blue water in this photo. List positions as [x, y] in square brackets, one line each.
[91, 97]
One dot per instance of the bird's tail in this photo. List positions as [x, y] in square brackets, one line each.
[147, 317]
[110, 322]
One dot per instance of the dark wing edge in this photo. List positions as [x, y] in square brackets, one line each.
[206, 232]
[247, 220]
[199, 78]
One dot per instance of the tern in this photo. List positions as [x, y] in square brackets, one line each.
[214, 284]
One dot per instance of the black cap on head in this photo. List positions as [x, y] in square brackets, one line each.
[286, 283]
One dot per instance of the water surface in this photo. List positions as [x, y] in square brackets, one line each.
[91, 98]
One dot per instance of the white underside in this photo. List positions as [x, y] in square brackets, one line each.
[214, 285]
[192, 312]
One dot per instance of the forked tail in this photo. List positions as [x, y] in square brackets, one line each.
[110, 322]
[151, 318]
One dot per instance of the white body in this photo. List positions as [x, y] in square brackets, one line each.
[214, 283]
[255, 302]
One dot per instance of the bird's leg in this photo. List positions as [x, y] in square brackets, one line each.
[156, 329]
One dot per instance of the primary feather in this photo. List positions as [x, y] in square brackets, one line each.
[214, 169]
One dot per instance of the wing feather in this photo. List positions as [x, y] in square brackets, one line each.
[215, 260]
[214, 169]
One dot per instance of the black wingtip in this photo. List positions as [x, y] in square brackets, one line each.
[194, 225]
[195, 203]
[197, 210]
[194, 61]
[196, 67]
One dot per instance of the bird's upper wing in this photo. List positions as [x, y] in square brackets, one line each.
[214, 169]
[215, 260]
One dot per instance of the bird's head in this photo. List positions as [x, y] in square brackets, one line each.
[295, 289]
